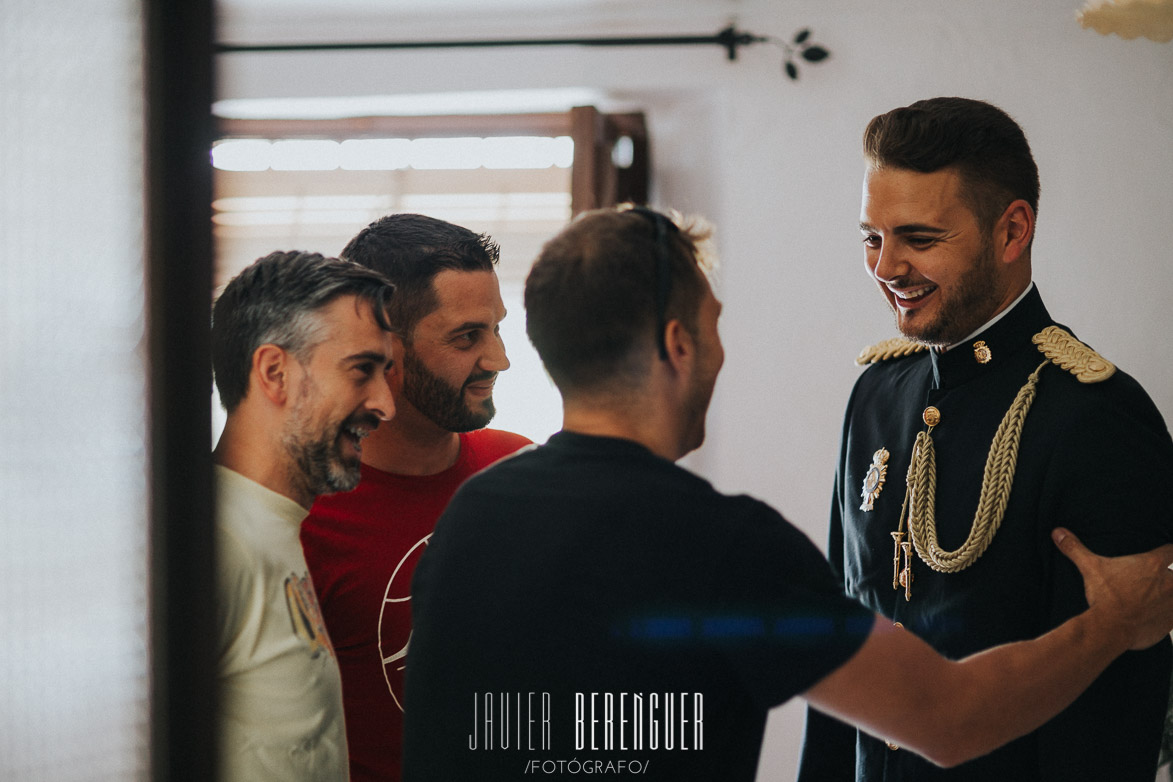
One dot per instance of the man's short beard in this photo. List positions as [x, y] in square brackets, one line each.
[318, 467]
[976, 296]
[440, 402]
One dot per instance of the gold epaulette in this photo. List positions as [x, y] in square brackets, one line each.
[1069, 353]
[889, 348]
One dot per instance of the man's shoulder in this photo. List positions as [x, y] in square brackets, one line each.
[251, 509]
[608, 470]
[887, 366]
[889, 350]
[1087, 380]
[890, 358]
[1118, 407]
[495, 442]
[486, 446]
[497, 438]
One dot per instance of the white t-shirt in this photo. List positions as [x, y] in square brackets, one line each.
[280, 690]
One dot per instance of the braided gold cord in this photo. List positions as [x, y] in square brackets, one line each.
[997, 479]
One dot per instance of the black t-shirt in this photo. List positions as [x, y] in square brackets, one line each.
[588, 602]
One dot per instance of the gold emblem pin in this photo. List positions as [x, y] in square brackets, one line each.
[981, 351]
[873, 482]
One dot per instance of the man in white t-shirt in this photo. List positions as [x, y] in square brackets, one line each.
[300, 348]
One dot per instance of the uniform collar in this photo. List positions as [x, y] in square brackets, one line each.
[973, 335]
[1009, 335]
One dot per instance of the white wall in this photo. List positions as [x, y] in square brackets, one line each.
[777, 166]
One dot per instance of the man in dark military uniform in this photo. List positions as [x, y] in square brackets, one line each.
[1011, 426]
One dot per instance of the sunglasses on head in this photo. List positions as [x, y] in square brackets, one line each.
[663, 270]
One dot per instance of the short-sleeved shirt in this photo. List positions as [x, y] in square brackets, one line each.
[362, 547]
[590, 601]
[280, 692]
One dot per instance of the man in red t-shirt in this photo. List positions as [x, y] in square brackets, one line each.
[362, 546]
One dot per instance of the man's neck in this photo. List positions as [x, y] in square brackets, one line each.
[638, 423]
[411, 444]
[255, 459]
[1001, 313]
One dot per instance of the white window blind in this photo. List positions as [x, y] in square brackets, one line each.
[73, 651]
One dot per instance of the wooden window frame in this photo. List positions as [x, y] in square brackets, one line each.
[596, 181]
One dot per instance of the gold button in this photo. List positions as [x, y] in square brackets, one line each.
[932, 416]
[892, 746]
[897, 624]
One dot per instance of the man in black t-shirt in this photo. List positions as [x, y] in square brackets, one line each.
[590, 607]
[595, 566]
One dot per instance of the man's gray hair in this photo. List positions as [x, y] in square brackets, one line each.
[277, 301]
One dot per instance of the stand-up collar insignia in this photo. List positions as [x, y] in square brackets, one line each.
[981, 352]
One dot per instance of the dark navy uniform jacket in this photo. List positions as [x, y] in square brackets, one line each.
[1095, 458]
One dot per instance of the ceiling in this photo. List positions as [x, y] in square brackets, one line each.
[317, 20]
[410, 6]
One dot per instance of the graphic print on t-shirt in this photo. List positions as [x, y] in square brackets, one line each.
[305, 614]
[394, 630]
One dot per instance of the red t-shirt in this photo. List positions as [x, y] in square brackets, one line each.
[362, 547]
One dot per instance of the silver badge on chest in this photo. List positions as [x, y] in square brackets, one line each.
[873, 481]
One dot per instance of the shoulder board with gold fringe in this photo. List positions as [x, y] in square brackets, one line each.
[1069, 353]
[889, 348]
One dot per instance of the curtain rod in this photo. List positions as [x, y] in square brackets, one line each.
[730, 38]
